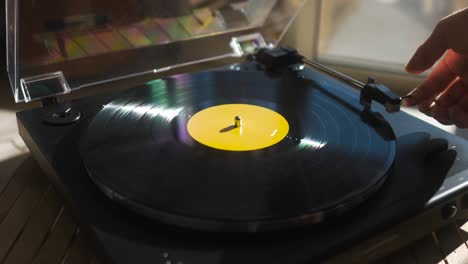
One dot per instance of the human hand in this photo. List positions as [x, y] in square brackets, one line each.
[444, 93]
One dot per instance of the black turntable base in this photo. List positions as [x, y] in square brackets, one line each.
[149, 191]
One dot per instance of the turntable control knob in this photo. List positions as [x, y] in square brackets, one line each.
[449, 211]
[237, 121]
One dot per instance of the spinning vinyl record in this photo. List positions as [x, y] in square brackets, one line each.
[235, 151]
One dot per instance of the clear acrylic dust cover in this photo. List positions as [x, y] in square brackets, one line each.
[55, 46]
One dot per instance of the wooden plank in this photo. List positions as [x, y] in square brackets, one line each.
[18, 215]
[452, 245]
[8, 129]
[8, 167]
[79, 251]
[11, 192]
[9, 150]
[36, 229]
[18, 143]
[56, 244]
[426, 251]
[463, 230]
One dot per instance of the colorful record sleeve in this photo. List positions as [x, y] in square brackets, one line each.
[61, 45]
[135, 36]
[190, 24]
[201, 22]
[210, 23]
[52, 54]
[173, 28]
[153, 32]
[90, 44]
[112, 39]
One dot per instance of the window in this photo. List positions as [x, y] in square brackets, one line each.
[368, 38]
[377, 34]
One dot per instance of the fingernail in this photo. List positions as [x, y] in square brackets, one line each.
[406, 100]
[408, 67]
[412, 68]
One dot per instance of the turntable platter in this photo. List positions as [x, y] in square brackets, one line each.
[146, 150]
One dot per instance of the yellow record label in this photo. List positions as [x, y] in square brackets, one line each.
[238, 127]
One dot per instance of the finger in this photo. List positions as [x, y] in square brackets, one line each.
[441, 114]
[425, 107]
[455, 31]
[452, 94]
[437, 81]
[430, 51]
[462, 102]
[459, 117]
[456, 63]
[459, 114]
[448, 34]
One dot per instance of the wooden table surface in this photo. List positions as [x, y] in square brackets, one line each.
[36, 227]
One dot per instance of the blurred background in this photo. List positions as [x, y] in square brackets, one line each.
[362, 37]
[379, 33]
[2, 39]
[357, 37]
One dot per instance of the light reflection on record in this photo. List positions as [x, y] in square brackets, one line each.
[138, 146]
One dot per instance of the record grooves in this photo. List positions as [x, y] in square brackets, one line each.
[138, 150]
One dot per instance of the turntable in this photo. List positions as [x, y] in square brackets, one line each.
[270, 158]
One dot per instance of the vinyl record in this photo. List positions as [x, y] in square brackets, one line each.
[165, 150]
